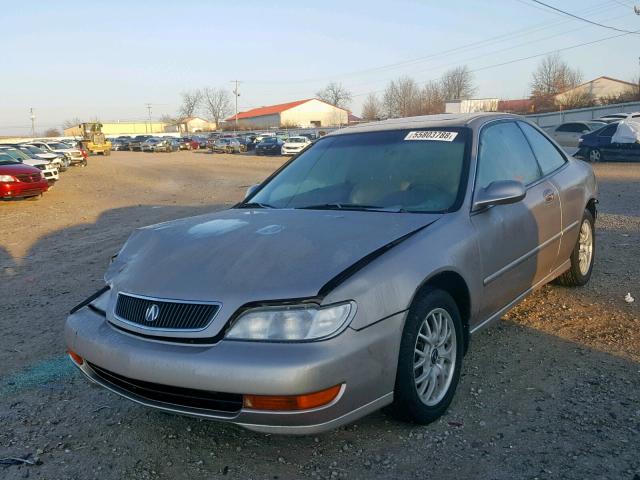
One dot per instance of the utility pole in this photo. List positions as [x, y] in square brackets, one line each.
[33, 123]
[236, 94]
[148, 105]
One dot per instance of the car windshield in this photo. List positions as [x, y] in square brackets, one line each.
[58, 146]
[400, 170]
[7, 160]
[297, 140]
[15, 153]
[270, 140]
[33, 149]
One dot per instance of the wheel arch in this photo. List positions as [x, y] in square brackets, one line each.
[455, 285]
[591, 206]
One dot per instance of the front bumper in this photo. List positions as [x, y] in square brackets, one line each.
[23, 189]
[364, 362]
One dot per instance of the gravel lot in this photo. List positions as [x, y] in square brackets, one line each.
[552, 391]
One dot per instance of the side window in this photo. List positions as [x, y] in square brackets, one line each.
[571, 127]
[608, 131]
[547, 154]
[505, 155]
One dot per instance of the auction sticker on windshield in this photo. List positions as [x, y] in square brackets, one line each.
[436, 135]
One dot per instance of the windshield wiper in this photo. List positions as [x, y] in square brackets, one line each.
[255, 205]
[351, 206]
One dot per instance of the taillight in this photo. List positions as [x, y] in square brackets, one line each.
[84, 153]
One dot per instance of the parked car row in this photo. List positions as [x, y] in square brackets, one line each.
[30, 169]
[596, 140]
[150, 143]
[276, 143]
[265, 143]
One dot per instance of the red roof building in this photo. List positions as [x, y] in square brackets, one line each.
[310, 112]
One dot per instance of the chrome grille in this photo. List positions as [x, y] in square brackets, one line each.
[171, 314]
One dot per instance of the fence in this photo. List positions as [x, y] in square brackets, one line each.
[552, 119]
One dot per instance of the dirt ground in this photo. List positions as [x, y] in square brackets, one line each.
[552, 391]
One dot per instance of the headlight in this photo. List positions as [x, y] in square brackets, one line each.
[7, 179]
[291, 323]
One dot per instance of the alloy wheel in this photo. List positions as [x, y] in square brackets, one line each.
[585, 247]
[434, 357]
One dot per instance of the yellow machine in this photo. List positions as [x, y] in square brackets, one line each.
[93, 140]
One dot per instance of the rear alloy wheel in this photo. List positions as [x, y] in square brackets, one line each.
[430, 358]
[595, 155]
[582, 256]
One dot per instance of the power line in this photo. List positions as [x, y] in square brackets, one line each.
[582, 18]
[521, 59]
[469, 46]
[491, 53]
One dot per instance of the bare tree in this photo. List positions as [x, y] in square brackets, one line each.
[74, 122]
[457, 84]
[552, 76]
[401, 98]
[191, 101]
[372, 108]
[216, 103]
[52, 132]
[432, 98]
[169, 119]
[335, 94]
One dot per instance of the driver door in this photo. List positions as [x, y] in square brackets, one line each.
[518, 243]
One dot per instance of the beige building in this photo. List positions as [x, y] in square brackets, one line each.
[600, 87]
[123, 128]
[302, 114]
[196, 124]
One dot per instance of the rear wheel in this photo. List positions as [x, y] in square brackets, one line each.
[595, 155]
[582, 256]
[430, 358]
[107, 152]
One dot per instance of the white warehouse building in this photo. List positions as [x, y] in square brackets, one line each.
[300, 114]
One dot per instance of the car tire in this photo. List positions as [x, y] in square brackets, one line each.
[107, 152]
[583, 255]
[430, 358]
[595, 155]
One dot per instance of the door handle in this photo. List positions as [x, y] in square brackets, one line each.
[548, 196]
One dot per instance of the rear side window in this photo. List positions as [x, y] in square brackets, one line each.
[548, 156]
[505, 154]
[572, 127]
[608, 131]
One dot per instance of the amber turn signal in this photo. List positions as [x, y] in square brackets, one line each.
[291, 402]
[75, 357]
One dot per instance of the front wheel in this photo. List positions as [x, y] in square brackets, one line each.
[430, 358]
[595, 155]
[582, 256]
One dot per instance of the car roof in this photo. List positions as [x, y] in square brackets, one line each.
[473, 120]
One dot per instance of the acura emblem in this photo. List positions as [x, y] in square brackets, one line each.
[152, 313]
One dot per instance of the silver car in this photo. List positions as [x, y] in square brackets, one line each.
[568, 134]
[352, 278]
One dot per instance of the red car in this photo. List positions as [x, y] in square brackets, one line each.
[18, 180]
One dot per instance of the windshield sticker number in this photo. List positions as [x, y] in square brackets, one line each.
[434, 135]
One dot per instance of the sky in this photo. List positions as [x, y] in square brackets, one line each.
[107, 60]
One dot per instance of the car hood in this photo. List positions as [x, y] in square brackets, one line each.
[239, 256]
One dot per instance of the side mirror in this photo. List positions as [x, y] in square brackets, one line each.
[499, 193]
[251, 189]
